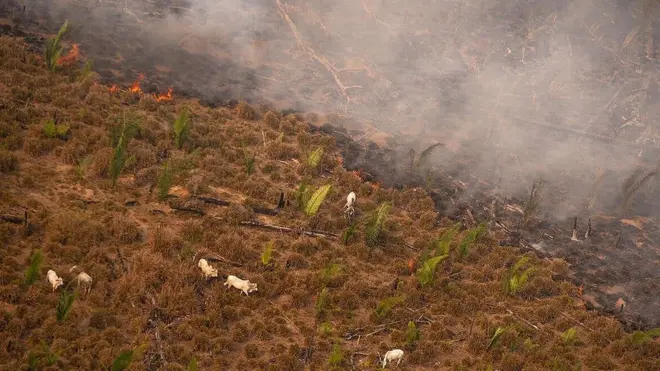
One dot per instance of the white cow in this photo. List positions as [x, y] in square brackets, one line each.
[54, 279]
[349, 209]
[208, 270]
[84, 279]
[243, 285]
[393, 355]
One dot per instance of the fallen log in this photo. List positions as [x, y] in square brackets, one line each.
[312, 233]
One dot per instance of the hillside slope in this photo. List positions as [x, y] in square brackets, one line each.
[320, 304]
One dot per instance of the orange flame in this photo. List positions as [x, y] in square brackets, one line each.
[375, 185]
[411, 265]
[357, 174]
[167, 96]
[113, 89]
[71, 57]
[135, 88]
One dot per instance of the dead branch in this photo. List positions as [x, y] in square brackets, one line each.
[312, 233]
[216, 257]
[523, 320]
[11, 219]
[576, 321]
[213, 201]
[318, 57]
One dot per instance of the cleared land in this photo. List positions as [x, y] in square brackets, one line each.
[320, 305]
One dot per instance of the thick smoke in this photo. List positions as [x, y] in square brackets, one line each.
[517, 90]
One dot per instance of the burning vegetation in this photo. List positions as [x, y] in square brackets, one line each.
[139, 195]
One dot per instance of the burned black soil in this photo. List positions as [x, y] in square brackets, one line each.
[619, 260]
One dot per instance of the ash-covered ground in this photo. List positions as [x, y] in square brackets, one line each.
[516, 91]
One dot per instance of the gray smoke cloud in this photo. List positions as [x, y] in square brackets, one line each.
[517, 89]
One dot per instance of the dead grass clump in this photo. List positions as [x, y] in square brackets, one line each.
[424, 354]
[305, 246]
[272, 120]
[540, 287]
[281, 151]
[8, 161]
[36, 146]
[512, 362]
[102, 319]
[101, 163]
[126, 231]
[245, 111]
[240, 333]
[235, 214]
[74, 228]
[346, 299]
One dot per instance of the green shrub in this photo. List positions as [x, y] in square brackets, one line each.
[52, 130]
[515, 279]
[164, 181]
[315, 201]
[267, 254]
[471, 237]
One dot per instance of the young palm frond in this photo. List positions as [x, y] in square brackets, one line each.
[569, 336]
[515, 280]
[64, 304]
[302, 195]
[412, 334]
[426, 272]
[471, 237]
[314, 158]
[120, 137]
[82, 165]
[316, 200]
[496, 337]
[249, 162]
[443, 244]
[375, 224]
[267, 254]
[181, 128]
[164, 181]
[192, 366]
[125, 358]
[336, 356]
[348, 233]
[385, 306]
[53, 48]
[32, 272]
[321, 302]
[643, 337]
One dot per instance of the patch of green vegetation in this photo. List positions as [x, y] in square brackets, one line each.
[53, 48]
[267, 254]
[412, 334]
[515, 278]
[426, 273]
[164, 181]
[569, 337]
[384, 307]
[315, 201]
[314, 158]
[374, 229]
[64, 304]
[121, 136]
[52, 130]
[348, 233]
[32, 272]
[181, 128]
[336, 356]
[643, 337]
[471, 237]
[495, 339]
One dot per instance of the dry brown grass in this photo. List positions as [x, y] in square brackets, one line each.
[141, 253]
